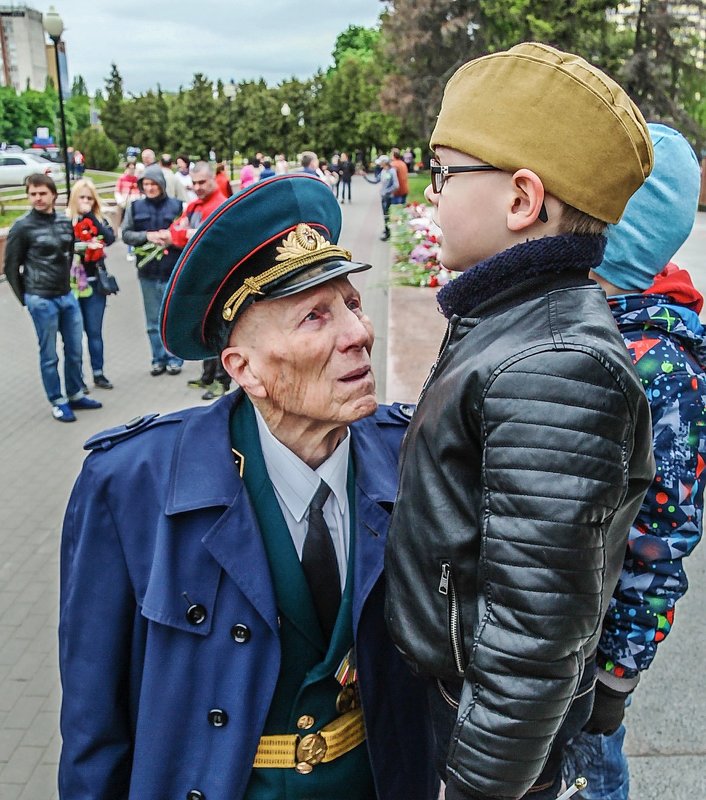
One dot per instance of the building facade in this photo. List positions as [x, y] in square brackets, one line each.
[23, 57]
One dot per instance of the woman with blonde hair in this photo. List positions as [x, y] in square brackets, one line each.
[92, 234]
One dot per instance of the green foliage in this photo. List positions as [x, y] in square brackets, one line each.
[663, 74]
[192, 120]
[113, 116]
[358, 41]
[78, 87]
[15, 117]
[98, 150]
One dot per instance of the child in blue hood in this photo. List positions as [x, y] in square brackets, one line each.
[656, 309]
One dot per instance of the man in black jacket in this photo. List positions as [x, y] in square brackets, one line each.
[530, 451]
[38, 256]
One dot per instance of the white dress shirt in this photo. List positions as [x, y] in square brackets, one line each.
[295, 484]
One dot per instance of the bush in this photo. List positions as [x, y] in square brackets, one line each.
[98, 150]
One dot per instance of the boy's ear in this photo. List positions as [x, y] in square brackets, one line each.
[237, 363]
[527, 200]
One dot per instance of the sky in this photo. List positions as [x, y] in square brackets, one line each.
[153, 41]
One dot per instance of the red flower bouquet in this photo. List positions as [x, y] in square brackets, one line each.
[88, 245]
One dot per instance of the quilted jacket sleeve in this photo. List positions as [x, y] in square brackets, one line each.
[558, 438]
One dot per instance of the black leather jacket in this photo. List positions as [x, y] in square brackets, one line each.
[43, 246]
[525, 463]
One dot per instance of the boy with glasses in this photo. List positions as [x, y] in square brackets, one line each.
[529, 453]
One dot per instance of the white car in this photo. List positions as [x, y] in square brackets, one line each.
[16, 167]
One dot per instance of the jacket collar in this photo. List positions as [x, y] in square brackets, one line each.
[203, 472]
[538, 259]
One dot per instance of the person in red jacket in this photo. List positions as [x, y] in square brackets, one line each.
[213, 378]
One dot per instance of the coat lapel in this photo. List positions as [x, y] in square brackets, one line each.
[204, 475]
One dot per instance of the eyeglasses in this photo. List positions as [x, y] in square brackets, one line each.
[440, 173]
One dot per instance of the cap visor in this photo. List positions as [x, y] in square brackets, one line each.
[314, 275]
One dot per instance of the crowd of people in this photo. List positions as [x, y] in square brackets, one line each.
[377, 600]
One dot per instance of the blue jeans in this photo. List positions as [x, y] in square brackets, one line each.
[53, 315]
[153, 290]
[92, 310]
[601, 761]
[399, 200]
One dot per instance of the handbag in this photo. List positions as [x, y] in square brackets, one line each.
[105, 282]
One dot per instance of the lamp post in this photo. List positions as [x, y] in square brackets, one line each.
[285, 111]
[230, 90]
[54, 27]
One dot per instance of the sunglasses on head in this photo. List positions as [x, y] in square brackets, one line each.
[440, 172]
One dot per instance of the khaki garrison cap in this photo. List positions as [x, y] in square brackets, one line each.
[554, 113]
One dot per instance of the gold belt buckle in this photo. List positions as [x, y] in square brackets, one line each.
[311, 749]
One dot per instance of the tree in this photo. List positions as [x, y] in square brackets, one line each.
[15, 118]
[427, 40]
[78, 88]
[113, 116]
[662, 74]
[146, 114]
[356, 40]
[97, 149]
[192, 125]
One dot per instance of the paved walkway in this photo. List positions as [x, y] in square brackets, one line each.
[39, 460]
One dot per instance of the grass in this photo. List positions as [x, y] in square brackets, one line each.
[417, 184]
[9, 216]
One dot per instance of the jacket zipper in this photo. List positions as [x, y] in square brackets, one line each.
[449, 330]
[447, 588]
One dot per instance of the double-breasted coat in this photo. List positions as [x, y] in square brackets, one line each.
[169, 644]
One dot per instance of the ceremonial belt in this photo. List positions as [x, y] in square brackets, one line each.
[304, 752]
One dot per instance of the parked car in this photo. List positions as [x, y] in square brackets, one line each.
[16, 167]
[50, 152]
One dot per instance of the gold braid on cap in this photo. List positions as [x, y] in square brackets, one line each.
[301, 247]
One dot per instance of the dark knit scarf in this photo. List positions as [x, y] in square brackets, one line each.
[551, 255]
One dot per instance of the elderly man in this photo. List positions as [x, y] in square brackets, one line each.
[222, 631]
[214, 379]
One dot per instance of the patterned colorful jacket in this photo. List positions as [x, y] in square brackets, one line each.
[665, 338]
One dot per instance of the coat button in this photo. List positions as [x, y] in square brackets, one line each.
[240, 633]
[217, 717]
[195, 794]
[305, 722]
[196, 613]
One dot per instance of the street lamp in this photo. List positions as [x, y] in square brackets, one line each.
[230, 90]
[54, 26]
[285, 111]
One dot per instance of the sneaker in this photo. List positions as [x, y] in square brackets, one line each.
[102, 382]
[173, 369]
[216, 390]
[63, 412]
[84, 403]
[385, 236]
[85, 388]
[130, 256]
[198, 384]
[157, 369]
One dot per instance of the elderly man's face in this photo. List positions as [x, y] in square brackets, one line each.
[308, 356]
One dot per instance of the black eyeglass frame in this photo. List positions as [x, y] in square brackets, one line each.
[440, 172]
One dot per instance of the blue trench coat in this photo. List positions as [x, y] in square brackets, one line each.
[159, 522]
